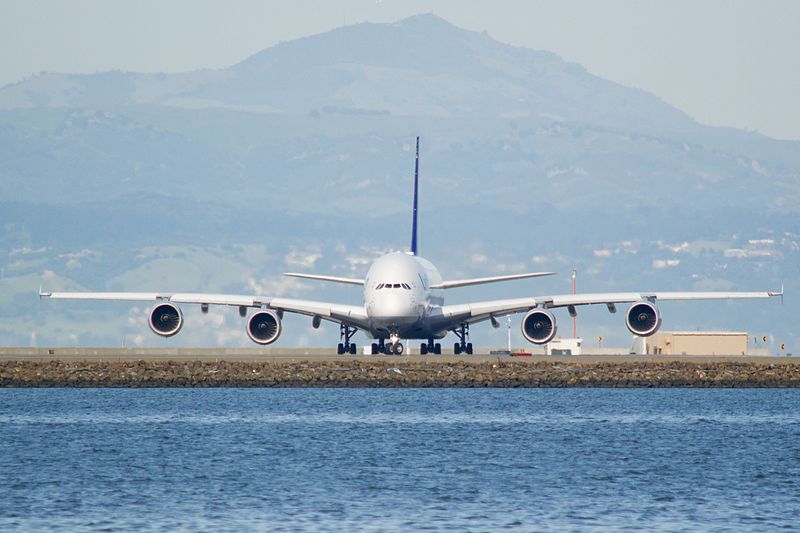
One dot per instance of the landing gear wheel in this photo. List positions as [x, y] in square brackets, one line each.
[423, 349]
[437, 349]
[340, 348]
[469, 348]
[398, 348]
[457, 348]
[353, 348]
[374, 350]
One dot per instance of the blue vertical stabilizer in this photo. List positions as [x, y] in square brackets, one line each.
[416, 196]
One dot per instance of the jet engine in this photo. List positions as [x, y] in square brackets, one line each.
[539, 326]
[643, 318]
[166, 319]
[264, 327]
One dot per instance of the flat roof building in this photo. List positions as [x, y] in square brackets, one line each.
[698, 343]
[563, 347]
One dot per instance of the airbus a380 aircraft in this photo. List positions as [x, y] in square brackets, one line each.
[404, 299]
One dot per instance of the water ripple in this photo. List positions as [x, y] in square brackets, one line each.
[437, 460]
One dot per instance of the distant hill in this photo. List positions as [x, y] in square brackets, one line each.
[328, 115]
[421, 66]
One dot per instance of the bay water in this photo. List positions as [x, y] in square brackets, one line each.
[399, 459]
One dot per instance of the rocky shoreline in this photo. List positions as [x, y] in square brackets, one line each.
[500, 373]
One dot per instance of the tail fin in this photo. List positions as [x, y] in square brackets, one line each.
[416, 194]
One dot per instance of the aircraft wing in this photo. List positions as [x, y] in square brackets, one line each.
[453, 315]
[350, 314]
[335, 279]
[494, 279]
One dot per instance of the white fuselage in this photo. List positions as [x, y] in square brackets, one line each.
[398, 297]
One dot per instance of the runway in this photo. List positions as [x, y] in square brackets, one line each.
[326, 355]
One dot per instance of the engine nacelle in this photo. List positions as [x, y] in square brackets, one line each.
[643, 318]
[264, 327]
[539, 326]
[165, 319]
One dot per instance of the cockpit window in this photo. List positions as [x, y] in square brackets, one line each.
[380, 286]
[405, 286]
[396, 285]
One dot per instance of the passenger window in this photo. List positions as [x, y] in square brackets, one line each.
[396, 285]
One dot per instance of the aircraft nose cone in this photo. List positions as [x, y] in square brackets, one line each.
[395, 308]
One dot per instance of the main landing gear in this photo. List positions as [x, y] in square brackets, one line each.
[378, 347]
[430, 347]
[463, 336]
[345, 334]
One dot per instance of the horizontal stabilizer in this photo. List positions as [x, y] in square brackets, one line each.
[494, 279]
[335, 279]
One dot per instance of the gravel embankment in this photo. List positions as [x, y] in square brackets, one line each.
[500, 373]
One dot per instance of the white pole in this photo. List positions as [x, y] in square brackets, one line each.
[509, 333]
[574, 291]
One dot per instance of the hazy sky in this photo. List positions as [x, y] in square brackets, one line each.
[725, 62]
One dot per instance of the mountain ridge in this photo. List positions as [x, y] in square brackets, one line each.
[336, 65]
[330, 115]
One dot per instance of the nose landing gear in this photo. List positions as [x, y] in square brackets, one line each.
[463, 336]
[396, 347]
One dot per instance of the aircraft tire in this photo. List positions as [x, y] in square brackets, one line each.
[423, 349]
[469, 348]
[437, 349]
[340, 348]
[353, 349]
[398, 348]
[374, 350]
[457, 349]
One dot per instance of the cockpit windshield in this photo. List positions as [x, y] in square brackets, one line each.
[393, 286]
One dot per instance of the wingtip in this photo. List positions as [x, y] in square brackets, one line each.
[43, 294]
[779, 293]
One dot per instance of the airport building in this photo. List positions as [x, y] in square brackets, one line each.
[561, 346]
[667, 343]
[699, 343]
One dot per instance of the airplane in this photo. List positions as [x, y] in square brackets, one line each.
[403, 298]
